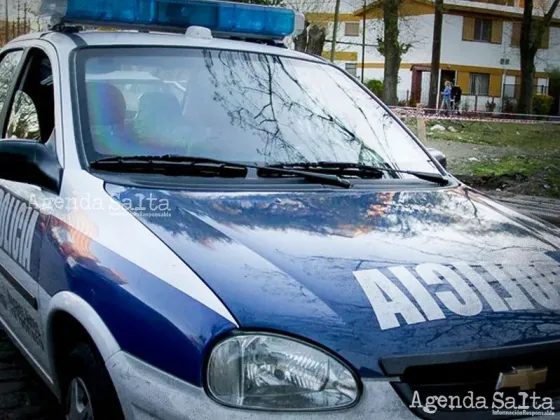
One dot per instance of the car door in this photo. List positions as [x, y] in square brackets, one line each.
[27, 114]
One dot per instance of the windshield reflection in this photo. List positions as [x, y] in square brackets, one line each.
[236, 106]
[454, 217]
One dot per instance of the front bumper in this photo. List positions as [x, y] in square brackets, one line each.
[147, 393]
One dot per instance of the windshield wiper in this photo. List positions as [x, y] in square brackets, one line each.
[361, 170]
[204, 166]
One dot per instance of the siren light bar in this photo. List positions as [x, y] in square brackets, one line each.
[222, 18]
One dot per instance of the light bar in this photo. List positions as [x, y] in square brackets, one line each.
[235, 19]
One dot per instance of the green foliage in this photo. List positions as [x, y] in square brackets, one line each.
[554, 76]
[403, 47]
[509, 106]
[538, 171]
[376, 86]
[525, 156]
[542, 137]
[542, 104]
[490, 106]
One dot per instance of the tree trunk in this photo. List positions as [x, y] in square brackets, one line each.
[527, 60]
[392, 51]
[531, 39]
[6, 23]
[335, 30]
[316, 40]
[525, 103]
[300, 41]
[436, 55]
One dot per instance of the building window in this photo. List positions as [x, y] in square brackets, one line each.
[479, 84]
[351, 68]
[515, 34]
[352, 28]
[483, 30]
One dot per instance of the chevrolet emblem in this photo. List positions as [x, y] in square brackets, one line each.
[525, 378]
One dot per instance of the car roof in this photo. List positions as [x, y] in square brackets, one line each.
[135, 38]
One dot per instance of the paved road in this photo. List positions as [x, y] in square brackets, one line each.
[23, 396]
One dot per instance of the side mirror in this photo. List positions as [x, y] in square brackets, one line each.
[439, 156]
[30, 162]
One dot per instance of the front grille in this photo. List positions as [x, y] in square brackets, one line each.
[475, 374]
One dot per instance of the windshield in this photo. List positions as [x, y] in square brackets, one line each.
[234, 106]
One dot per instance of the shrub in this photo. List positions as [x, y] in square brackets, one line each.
[376, 86]
[542, 104]
[509, 106]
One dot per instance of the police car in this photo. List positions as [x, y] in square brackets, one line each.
[264, 241]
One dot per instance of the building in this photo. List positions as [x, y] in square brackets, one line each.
[479, 51]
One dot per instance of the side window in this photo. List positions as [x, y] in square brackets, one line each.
[8, 67]
[24, 120]
[31, 115]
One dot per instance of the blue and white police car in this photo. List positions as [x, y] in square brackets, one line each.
[199, 223]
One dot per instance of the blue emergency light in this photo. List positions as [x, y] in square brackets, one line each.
[220, 17]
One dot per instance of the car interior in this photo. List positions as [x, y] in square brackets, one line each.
[32, 112]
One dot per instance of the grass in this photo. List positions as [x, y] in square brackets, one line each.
[527, 175]
[530, 163]
[508, 165]
[524, 136]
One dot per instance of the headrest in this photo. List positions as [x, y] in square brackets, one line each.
[159, 104]
[106, 104]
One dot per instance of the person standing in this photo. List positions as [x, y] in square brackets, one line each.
[456, 93]
[446, 105]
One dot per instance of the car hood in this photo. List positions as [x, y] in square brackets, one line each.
[367, 274]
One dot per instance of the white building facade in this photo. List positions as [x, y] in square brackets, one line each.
[479, 50]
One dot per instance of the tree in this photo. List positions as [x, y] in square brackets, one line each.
[392, 49]
[6, 23]
[532, 32]
[436, 55]
[311, 40]
[335, 29]
[391, 43]
[389, 47]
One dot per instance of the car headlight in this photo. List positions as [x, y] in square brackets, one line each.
[271, 372]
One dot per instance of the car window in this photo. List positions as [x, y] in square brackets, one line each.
[31, 114]
[236, 106]
[8, 67]
[24, 120]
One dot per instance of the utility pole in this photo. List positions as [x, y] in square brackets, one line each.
[335, 29]
[6, 23]
[26, 25]
[18, 33]
[364, 39]
[436, 55]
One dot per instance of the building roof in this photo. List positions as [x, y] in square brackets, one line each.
[468, 6]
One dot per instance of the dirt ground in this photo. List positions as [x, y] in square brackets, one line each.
[23, 396]
[510, 157]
